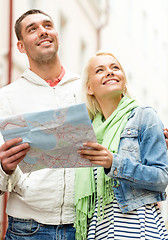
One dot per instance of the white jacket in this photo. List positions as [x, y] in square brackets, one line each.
[47, 195]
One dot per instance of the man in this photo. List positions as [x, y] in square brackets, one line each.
[41, 203]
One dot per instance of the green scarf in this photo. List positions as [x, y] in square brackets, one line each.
[108, 134]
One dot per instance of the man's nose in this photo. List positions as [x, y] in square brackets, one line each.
[42, 31]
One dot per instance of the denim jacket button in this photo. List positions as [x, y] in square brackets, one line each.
[129, 132]
[115, 172]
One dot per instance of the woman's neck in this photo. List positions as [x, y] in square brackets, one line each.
[108, 106]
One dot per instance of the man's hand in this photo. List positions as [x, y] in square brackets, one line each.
[11, 154]
[166, 136]
[98, 154]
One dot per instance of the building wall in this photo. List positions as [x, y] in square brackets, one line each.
[137, 34]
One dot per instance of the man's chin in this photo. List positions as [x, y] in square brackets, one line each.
[46, 58]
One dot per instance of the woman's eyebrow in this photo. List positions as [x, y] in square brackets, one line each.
[100, 66]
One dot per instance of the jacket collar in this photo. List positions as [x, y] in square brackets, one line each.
[34, 78]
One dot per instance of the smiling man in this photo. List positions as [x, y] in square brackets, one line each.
[40, 204]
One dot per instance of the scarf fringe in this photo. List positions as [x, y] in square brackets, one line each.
[81, 216]
[87, 205]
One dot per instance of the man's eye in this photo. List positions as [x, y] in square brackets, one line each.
[48, 26]
[32, 29]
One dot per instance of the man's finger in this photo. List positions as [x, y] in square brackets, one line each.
[8, 144]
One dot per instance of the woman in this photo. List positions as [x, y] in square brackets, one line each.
[121, 204]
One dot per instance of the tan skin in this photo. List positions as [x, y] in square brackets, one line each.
[166, 136]
[12, 155]
[40, 43]
[106, 83]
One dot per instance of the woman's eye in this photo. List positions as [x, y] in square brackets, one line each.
[115, 67]
[99, 70]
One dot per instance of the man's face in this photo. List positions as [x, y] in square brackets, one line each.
[39, 38]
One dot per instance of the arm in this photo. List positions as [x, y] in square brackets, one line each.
[151, 170]
[10, 156]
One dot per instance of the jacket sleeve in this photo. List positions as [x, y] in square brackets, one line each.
[5, 109]
[7, 182]
[151, 170]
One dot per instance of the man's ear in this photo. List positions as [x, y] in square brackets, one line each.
[20, 47]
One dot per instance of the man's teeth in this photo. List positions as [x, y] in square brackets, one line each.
[46, 42]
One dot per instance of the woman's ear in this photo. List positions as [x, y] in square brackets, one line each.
[89, 91]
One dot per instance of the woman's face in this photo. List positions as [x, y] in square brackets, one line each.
[106, 78]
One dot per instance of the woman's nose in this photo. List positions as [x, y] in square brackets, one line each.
[110, 72]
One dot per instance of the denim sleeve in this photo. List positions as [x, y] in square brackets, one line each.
[151, 171]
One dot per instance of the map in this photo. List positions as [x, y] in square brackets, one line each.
[54, 137]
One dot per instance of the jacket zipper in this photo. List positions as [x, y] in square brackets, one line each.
[63, 196]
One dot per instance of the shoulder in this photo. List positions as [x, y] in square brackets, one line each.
[70, 76]
[143, 111]
[8, 89]
[146, 116]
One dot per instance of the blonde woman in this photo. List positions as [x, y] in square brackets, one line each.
[118, 200]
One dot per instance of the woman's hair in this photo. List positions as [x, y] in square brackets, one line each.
[90, 100]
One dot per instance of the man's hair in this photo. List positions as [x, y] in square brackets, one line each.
[19, 20]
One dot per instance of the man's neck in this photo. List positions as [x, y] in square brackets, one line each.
[48, 71]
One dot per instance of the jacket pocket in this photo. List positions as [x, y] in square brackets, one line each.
[22, 227]
[129, 146]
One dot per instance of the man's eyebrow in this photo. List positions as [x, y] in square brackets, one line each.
[32, 24]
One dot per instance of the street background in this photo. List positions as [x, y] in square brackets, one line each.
[136, 32]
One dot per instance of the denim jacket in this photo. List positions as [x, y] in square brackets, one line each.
[141, 165]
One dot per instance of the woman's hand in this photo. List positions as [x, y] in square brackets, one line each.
[98, 154]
